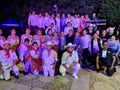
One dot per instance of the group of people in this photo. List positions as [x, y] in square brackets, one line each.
[56, 47]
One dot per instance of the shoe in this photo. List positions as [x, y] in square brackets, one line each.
[75, 76]
[25, 73]
[63, 74]
[17, 77]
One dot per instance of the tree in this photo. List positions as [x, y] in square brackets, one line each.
[110, 9]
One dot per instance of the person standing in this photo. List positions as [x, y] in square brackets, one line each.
[32, 21]
[49, 57]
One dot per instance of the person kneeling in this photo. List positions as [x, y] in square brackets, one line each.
[105, 60]
[8, 60]
[70, 61]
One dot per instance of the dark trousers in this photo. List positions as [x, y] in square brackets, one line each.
[86, 56]
[33, 29]
[93, 59]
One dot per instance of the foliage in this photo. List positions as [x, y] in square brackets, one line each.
[110, 9]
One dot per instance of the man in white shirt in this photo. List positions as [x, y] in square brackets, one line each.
[49, 57]
[46, 20]
[106, 60]
[32, 21]
[68, 28]
[70, 61]
[57, 25]
[76, 22]
[40, 21]
[8, 59]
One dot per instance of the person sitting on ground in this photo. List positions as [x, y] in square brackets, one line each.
[105, 60]
[70, 61]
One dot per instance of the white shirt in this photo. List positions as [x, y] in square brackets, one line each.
[104, 53]
[40, 22]
[57, 21]
[85, 41]
[7, 61]
[76, 22]
[49, 59]
[34, 54]
[70, 19]
[51, 20]
[32, 20]
[69, 60]
[66, 30]
[22, 51]
[46, 21]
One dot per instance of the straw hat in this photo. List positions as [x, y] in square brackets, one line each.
[49, 43]
[70, 45]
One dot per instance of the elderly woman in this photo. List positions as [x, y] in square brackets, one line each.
[70, 62]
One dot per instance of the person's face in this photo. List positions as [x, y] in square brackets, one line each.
[68, 15]
[0, 32]
[27, 43]
[70, 49]
[113, 38]
[70, 33]
[39, 33]
[46, 14]
[35, 46]
[6, 46]
[40, 14]
[50, 32]
[94, 14]
[104, 32]
[76, 16]
[27, 31]
[55, 35]
[13, 32]
[105, 45]
[62, 33]
[49, 47]
[53, 16]
[95, 36]
[33, 12]
[68, 24]
[52, 25]
[97, 32]
[90, 28]
[58, 15]
[84, 32]
[86, 16]
[63, 15]
[77, 34]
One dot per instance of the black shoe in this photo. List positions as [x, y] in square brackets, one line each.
[17, 77]
[25, 73]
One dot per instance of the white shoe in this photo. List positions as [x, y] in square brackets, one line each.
[63, 74]
[75, 76]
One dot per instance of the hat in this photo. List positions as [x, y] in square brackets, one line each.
[91, 25]
[37, 41]
[110, 29]
[70, 45]
[7, 42]
[49, 43]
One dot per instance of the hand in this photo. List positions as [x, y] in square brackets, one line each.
[71, 68]
[97, 66]
[1, 71]
[9, 67]
[111, 68]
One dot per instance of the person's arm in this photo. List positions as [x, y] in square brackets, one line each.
[97, 62]
[113, 62]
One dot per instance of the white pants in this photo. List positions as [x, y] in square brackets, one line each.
[48, 70]
[75, 71]
[6, 74]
